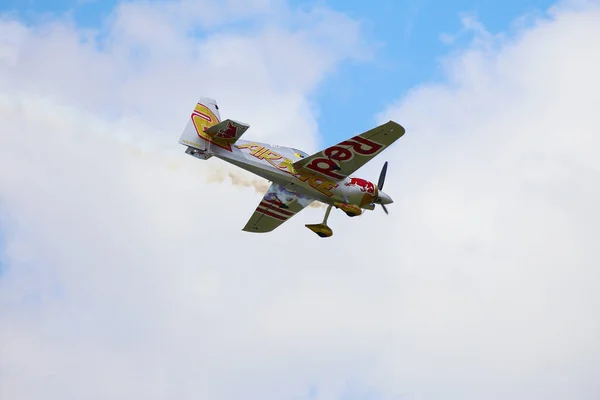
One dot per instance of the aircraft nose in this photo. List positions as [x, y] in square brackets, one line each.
[384, 198]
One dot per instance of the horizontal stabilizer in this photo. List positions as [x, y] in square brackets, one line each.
[204, 128]
[228, 130]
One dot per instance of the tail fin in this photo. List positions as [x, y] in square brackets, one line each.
[205, 128]
[205, 114]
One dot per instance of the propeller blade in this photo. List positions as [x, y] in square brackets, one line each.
[382, 176]
[384, 209]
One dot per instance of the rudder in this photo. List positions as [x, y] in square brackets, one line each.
[205, 128]
[205, 114]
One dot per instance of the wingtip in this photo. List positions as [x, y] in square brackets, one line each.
[397, 126]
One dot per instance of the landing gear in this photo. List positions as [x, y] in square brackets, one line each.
[351, 210]
[322, 229]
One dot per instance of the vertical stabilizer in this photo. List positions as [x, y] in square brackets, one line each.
[205, 132]
[205, 114]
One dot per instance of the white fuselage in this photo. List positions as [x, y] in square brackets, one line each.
[274, 163]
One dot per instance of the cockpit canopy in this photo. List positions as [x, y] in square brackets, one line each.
[300, 153]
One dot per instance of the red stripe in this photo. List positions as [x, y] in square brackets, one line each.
[270, 214]
[276, 208]
[278, 211]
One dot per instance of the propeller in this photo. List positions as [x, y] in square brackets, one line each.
[382, 195]
[382, 176]
[384, 208]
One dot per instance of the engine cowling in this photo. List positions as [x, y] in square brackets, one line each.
[360, 191]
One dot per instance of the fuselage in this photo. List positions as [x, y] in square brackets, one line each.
[275, 163]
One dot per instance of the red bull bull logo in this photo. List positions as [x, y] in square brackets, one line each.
[364, 185]
[227, 133]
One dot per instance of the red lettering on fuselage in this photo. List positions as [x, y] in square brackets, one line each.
[320, 183]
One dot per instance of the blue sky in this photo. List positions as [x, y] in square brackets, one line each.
[406, 34]
[410, 33]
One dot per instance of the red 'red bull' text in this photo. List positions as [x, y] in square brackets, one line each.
[340, 153]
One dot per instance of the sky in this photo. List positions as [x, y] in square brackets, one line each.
[401, 41]
[124, 271]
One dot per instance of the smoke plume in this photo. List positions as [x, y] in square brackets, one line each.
[216, 174]
[246, 179]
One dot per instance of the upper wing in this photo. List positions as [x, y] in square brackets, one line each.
[344, 158]
[277, 206]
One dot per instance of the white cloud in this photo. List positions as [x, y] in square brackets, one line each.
[127, 274]
[499, 173]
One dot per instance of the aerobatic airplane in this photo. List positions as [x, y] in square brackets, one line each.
[297, 178]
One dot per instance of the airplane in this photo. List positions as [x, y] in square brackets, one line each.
[298, 179]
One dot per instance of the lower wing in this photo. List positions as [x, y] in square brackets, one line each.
[277, 206]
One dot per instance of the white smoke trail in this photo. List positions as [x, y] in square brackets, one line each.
[217, 173]
[246, 179]
[238, 178]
